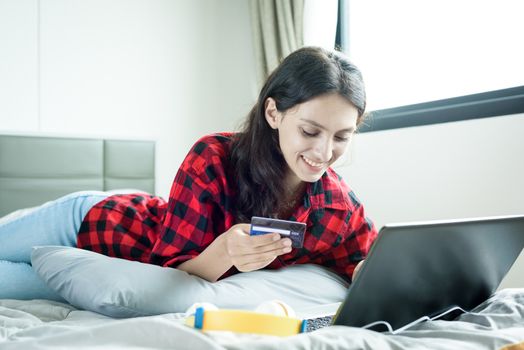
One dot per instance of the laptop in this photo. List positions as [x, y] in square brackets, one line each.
[421, 271]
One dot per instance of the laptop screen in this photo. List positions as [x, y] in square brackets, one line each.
[422, 269]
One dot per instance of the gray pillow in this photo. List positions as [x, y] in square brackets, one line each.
[122, 288]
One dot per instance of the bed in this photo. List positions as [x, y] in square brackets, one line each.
[143, 306]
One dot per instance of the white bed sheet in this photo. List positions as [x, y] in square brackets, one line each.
[43, 324]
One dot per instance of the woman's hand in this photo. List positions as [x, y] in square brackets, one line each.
[249, 253]
[236, 247]
[357, 270]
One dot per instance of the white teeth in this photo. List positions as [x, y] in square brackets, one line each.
[310, 162]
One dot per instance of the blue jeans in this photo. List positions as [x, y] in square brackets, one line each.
[53, 223]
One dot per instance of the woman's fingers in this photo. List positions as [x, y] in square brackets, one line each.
[243, 238]
[262, 256]
[248, 253]
[241, 243]
[252, 262]
[260, 247]
[357, 270]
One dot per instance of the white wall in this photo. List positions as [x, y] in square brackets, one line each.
[163, 70]
[18, 65]
[453, 170]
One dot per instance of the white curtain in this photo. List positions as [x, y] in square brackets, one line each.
[278, 31]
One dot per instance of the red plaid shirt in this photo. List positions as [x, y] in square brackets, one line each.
[148, 229]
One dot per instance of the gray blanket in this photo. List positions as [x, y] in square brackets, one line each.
[42, 325]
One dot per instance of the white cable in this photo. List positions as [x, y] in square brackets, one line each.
[388, 326]
[417, 321]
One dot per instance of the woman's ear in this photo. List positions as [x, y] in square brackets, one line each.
[271, 113]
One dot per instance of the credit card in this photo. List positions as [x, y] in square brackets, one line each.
[292, 229]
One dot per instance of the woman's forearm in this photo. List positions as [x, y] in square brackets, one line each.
[212, 263]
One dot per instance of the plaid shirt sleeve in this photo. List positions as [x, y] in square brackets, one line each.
[339, 235]
[345, 240]
[194, 214]
[360, 233]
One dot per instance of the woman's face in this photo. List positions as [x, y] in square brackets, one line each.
[313, 134]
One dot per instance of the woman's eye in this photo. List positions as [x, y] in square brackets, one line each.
[342, 139]
[309, 134]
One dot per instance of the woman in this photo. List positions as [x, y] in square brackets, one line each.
[277, 166]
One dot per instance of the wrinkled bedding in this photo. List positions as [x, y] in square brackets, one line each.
[41, 324]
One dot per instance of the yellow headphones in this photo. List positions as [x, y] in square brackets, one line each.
[243, 321]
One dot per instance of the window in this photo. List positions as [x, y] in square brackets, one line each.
[414, 51]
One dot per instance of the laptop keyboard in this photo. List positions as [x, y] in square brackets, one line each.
[319, 322]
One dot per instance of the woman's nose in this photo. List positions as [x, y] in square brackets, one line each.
[324, 149]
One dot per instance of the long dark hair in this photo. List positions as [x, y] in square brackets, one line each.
[257, 162]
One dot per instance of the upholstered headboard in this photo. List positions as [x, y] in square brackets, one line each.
[35, 169]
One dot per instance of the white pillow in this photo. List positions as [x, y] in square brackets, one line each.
[122, 288]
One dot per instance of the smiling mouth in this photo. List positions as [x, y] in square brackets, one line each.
[312, 163]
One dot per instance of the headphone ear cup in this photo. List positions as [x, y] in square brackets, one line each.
[206, 306]
[276, 307]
